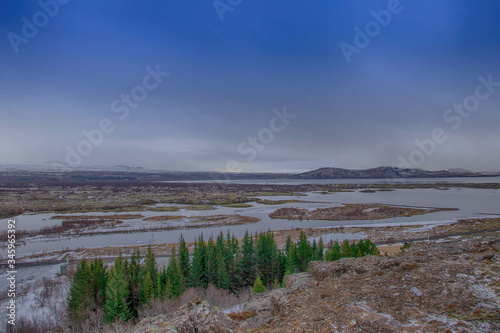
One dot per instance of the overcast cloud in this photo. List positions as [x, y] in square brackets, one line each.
[226, 77]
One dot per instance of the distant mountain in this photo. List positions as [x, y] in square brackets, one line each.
[380, 172]
[56, 171]
[459, 170]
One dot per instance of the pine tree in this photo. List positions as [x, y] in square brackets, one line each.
[160, 286]
[267, 257]
[371, 248]
[346, 250]
[135, 271]
[281, 266]
[236, 281]
[290, 266]
[210, 263]
[222, 277]
[362, 247]
[288, 244]
[314, 250]
[99, 278]
[147, 289]
[333, 253]
[258, 287]
[320, 250]
[151, 267]
[80, 299]
[230, 254]
[355, 250]
[183, 258]
[174, 277]
[197, 271]
[117, 293]
[305, 252]
[247, 262]
[263, 257]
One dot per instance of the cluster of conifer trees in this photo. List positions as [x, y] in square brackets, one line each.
[224, 262]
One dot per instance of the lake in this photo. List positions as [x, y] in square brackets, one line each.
[472, 203]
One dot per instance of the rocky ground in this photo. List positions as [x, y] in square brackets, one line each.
[195, 316]
[459, 280]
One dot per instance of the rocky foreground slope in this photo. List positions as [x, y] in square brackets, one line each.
[459, 280]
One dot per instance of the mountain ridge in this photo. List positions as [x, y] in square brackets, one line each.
[35, 173]
[380, 172]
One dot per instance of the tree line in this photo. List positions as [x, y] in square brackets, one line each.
[119, 291]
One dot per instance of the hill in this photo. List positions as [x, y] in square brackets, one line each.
[380, 172]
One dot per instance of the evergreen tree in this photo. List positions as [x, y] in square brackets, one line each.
[320, 250]
[99, 278]
[236, 281]
[371, 248]
[362, 247]
[160, 284]
[183, 258]
[174, 277]
[197, 271]
[230, 255]
[358, 253]
[281, 265]
[268, 263]
[258, 287]
[290, 266]
[80, 299]
[151, 267]
[147, 289]
[314, 250]
[135, 281]
[117, 294]
[346, 249]
[333, 253]
[222, 277]
[305, 252]
[288, 244]
[247, 262]
[264, 258]
[210, 261]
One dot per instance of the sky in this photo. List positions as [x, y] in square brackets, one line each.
[239, 85]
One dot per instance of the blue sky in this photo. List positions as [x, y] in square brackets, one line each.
[227, 76]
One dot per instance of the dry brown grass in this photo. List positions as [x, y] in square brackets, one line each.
[351, 212]
[241, 316]
[389, 249]
[163, 218]
[94, 217]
